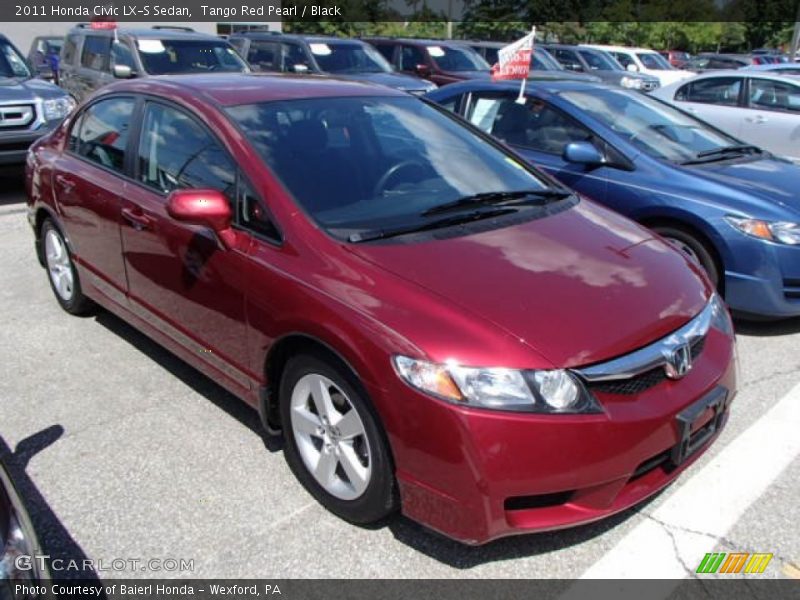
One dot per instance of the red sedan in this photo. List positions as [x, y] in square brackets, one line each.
[433, 324]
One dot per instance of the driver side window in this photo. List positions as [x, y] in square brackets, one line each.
[176, 152]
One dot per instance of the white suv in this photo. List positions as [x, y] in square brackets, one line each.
[643, 60]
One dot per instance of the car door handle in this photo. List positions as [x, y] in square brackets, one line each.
[137, 218]
[757, 119]
[65, 183]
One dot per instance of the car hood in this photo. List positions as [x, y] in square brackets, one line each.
[578, 287]
[25, 90]
[770, 180]
[394, 80]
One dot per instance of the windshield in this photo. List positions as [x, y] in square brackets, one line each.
[349, 58]
[654, 61]
[451, 58]
[11, 62]
[599, 62]
[164, 57]
[652, 126]
[362, 163]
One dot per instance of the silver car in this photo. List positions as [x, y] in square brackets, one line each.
[758, 107]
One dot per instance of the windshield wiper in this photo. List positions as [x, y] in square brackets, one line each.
[475, 215]
[722, 153]
[499, 198]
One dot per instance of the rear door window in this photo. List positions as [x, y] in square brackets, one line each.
[723, 91]
[768, 94]
[104, 132]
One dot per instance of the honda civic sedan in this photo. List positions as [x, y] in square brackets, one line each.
[730, 206]
[432, 324]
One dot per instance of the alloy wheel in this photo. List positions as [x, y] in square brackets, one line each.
[330, 437]
[59, 265]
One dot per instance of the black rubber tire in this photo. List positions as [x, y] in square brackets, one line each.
[78, 304]
[704, 256]
[380, 498]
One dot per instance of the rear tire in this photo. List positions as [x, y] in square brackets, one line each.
[61, 271]
[693, 248]
[335, 444]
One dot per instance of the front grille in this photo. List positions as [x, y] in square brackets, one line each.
[16, 116]
[791, 289]
[643, 381]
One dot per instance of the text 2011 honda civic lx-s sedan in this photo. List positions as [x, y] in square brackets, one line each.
[433, 324]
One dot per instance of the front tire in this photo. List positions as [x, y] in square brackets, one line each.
[334, 441]
[61, 271]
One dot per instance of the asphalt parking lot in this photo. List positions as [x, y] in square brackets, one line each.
[124, 451]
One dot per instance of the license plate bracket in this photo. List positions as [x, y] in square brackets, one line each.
[691, 441]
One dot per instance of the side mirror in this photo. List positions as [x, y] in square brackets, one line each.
[632, 68]
[122, 72]
[422, 70]
[207, 208]
[583, 153]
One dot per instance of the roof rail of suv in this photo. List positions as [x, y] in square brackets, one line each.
[263, 29]
[173, 27]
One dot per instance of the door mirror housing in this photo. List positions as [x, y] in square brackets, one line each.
[122, 72]
[206, 208]
[422, 70]
[583, 153]
[632, 68]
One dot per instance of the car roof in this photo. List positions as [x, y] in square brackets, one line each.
[773, 67]
[533, 86]
[231, 89]
[419, 41]
[621, 48]
[744, 72]
[331, 39]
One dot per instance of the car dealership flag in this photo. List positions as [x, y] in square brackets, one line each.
[514, 62]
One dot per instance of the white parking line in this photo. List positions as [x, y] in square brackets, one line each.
[673, 540]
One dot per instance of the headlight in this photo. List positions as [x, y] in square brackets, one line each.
[720, 317]
[783, 232]
[56, 109]
[631, 83]
[545, 391]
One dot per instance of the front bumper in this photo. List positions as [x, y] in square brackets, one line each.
[764, 279]
[476, 475]
[14, 144]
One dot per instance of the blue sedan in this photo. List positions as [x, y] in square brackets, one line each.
[731, 207]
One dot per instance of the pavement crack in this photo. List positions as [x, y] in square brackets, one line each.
[783, 373]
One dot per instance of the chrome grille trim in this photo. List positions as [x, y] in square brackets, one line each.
[652, 356]
[17, 115]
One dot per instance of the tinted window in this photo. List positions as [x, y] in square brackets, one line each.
[410, 57]
[714, 90]
[567, 58]
[348, 58]
[104, 131]
[623, 59]
[253, 214]
[654, 127]
[598, 61]
[264, 56]
[533, 124]
[376, 161]
[163, 57]
[654, 61]
[452, 58]
[295, 55]
[70, 49]
[121, 54]
[774, 95]
[176, 152]
[490, 54]
[386, 50]
[95, 52]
